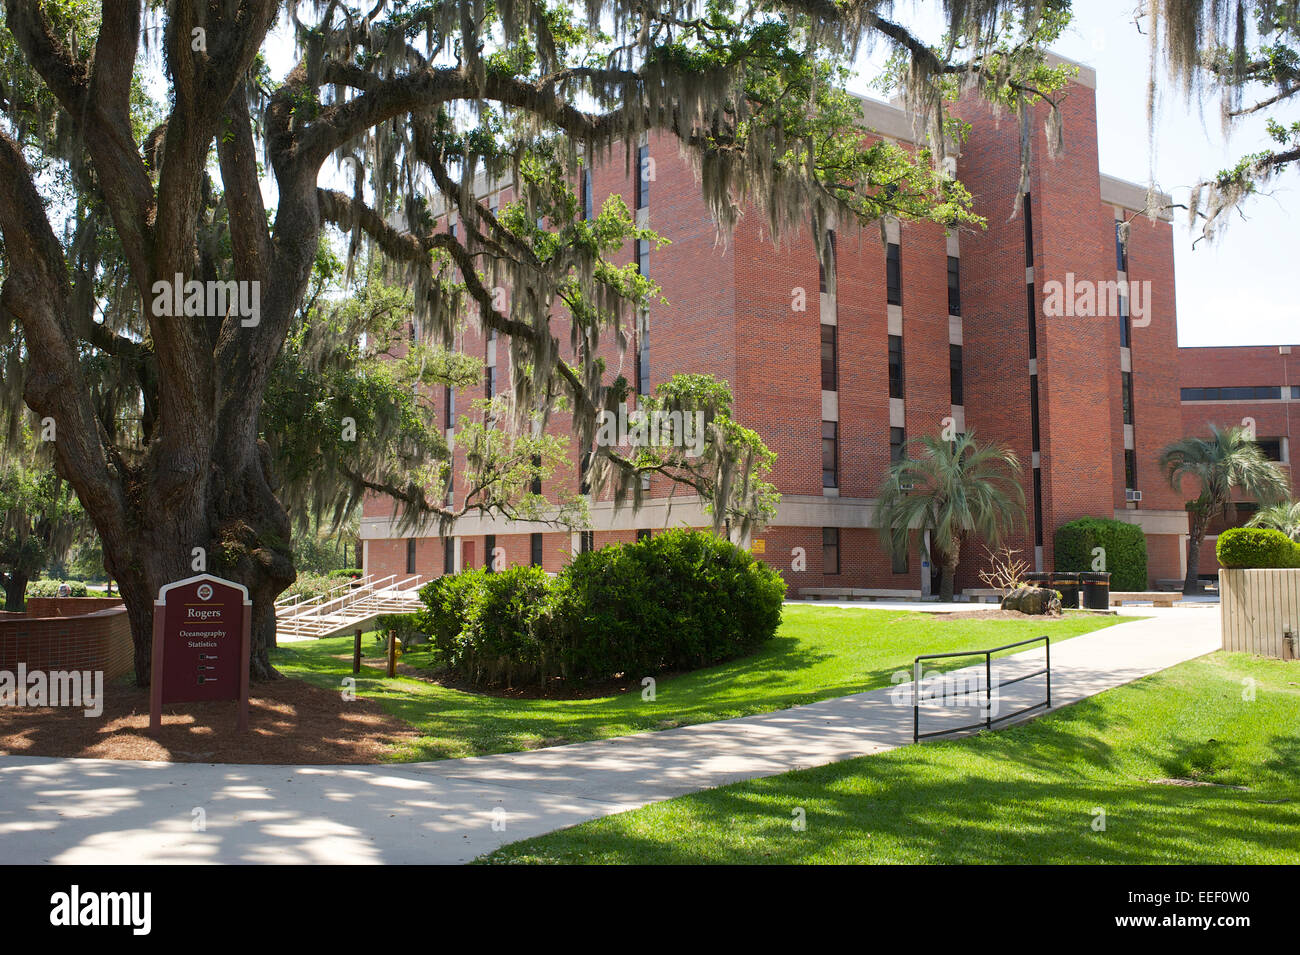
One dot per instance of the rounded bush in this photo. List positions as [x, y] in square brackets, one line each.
[1256, 547]
[1124, 544]
[678, 601]
[50, 588]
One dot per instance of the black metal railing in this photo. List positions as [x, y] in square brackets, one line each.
[988, 687]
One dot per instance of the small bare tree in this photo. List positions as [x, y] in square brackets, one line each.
[1006, 571]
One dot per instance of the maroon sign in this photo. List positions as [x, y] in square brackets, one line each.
[201, 629]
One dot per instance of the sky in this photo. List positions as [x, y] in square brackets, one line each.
[1238, 290]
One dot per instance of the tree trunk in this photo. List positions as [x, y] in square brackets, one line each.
[1192, 583]
[946, 575]
[244, 533]
[15, 591]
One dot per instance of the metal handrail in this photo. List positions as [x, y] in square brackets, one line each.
[295, 600]
[989, 720]
[351, 597]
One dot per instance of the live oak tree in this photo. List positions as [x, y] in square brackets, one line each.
[39, 519]
[1248, 52]
[170, 427]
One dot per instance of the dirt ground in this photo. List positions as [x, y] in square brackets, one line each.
[289, 722]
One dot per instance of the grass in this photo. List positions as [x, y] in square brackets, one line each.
[1027, 794]
[818, 653]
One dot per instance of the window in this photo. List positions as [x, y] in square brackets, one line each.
[895, 366]
[535, 549]
[643, 256]
[490, 381]
[588, 201]
[830, 253]
[451, 229]
[1125, 326]
[1038, 507]
[1029, 231]
[954, 285]
[830, 550]
[643, 177]
[449, 408]
[954, 375]
[1130, 469]
[489, 552]
[828, 358]
[830, 454]
[410, 555]
[897, 442]
[900, 563]
[449, 555]
[893, 274]
[1272, 448]
[536, 485]
[1127, 383]
[1246, 393]
[1033, 411]
[584, 462]
[586, 542]
[1121, 247]
[1033, 321]
[643, 357]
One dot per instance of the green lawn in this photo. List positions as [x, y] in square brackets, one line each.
[819, 652]
[1027, 794]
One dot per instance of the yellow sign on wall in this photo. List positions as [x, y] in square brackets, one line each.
[758, 547]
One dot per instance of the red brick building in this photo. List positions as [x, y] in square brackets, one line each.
[991, 330]
[1254, 386]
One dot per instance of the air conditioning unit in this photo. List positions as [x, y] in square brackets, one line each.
[1132, 496]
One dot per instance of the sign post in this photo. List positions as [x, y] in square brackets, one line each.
[202, 630]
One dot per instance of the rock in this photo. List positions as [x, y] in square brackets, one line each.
[1038, 601]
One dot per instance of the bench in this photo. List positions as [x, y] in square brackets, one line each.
[1157, 598]
[856, 593]
[982, 594]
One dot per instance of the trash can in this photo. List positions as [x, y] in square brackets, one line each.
[1096, 591]
[1038, 580]
[1068, 585]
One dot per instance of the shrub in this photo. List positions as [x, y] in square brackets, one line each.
[1247, 547]
[349, 572]
[407, 627]
[307, 586]
[50, 588]
[509, 635]
[1124, 544]
[678, 601]
[447, 602]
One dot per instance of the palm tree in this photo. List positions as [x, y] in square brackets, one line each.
[951, 489]
[1284, 517]
[1228, 460]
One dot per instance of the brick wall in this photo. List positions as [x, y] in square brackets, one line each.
[95, 641]
[68, 606]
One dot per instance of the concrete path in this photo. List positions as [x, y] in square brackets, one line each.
[86, 811]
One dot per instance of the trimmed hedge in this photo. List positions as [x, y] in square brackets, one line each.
[50, 588]
[1256, 547]
[678, 601]
[1125, 546]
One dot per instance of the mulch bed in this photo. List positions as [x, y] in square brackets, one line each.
[994, 614]
[289, 722]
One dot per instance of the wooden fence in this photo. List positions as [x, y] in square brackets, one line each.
[1259, 606]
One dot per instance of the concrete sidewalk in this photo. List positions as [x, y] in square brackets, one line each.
[86, 811]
